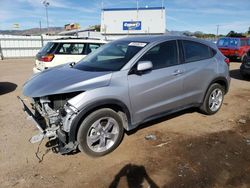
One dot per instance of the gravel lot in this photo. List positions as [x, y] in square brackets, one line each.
[191, 149]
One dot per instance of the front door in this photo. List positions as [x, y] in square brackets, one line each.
[160, 89]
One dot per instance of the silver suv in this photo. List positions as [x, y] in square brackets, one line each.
[122, 85]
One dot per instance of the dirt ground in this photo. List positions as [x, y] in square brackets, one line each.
[191, 149]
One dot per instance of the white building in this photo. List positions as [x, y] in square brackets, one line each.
[119, 22]
[133, 21]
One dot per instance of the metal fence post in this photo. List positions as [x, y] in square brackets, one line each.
[42, 40]
[1, 52]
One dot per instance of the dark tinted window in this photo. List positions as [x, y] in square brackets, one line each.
[71, 48]
[162, 55]
[48, 48]
[194, 51]
[228, 42]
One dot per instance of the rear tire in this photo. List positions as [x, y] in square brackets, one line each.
[213, 99]
[100, 132]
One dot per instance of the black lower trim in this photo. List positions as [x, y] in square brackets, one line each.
[169, 112]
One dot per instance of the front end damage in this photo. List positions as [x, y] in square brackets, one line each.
[53, 117]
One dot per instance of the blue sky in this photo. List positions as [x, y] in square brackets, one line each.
[192, 15]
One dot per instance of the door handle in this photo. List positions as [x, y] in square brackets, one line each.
[177, 72]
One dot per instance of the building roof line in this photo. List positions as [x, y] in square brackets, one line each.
[140, 8]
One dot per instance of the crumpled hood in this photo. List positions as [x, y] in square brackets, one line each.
[64, 80]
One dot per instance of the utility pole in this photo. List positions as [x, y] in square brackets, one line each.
[46, 5]
[40, 25]
[218, 27]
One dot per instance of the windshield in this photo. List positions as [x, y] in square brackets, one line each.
[228, 42]
[111, 57]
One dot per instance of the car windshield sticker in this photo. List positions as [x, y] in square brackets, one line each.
[138, 44]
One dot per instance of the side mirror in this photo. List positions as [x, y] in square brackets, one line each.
[72, 64]
[144, 66]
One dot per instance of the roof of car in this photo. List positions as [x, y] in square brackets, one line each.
[157, 38]
[77, 40]
[154, 38]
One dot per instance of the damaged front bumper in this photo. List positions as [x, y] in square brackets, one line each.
[52, 133]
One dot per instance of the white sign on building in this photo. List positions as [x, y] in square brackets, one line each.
[123, 21]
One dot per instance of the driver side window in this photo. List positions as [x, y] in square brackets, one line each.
[162, 55]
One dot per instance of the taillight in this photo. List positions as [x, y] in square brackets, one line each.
[227, 61]
[47, 58]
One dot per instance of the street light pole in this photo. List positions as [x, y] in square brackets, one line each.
[217, 34]
[46, 4]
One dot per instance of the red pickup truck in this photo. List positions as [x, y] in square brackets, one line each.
[234, 48]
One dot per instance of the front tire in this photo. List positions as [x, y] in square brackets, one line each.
[100, 132]
[213, 99]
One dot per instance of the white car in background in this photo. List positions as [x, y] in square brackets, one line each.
[65, 50]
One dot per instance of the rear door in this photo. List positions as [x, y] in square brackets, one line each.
[160, 89]
[199, 70]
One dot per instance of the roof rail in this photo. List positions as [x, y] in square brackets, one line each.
[86, 38]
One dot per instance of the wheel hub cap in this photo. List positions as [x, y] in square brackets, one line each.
[215, 100]
[102, 134]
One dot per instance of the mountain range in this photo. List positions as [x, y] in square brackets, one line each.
[32, 31]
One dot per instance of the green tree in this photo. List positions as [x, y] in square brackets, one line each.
[198, 34]
[235, 34]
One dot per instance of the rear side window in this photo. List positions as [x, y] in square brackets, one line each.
[48, 48]
[92, 48]
[162, 55]
[194, 51]
[228, 42]
[71, 48]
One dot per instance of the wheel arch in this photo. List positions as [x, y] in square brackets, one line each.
[220, 80]
[113, 104]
